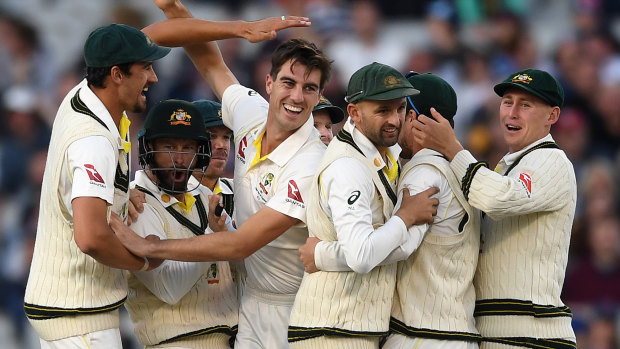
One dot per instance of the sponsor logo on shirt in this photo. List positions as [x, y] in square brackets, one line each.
[526, 180]
[354, 196]
[241, 153]
[95, 177]
[294, 196]
[252, 93]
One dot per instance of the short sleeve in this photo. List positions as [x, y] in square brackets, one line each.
[243, 108]
[91, 163]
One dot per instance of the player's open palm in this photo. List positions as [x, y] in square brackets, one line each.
[265, 29]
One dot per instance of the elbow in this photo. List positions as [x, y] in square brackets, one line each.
[360, 267]
[89, 247]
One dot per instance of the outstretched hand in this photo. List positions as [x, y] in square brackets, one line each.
[419, 208]
[265, 29]
[437, 135]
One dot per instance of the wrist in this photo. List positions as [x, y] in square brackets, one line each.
[146, 265]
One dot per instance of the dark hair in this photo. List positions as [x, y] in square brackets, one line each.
[304, 52]
[96, 76]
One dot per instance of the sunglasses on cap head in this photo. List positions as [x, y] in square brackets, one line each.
[408, 75]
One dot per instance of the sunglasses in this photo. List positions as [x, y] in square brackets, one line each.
[408, 75]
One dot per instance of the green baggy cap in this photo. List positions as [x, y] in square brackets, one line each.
[335, 113]
[537, 82]
[435, 92]
[116, 44]
[378, 82]
[211, 112]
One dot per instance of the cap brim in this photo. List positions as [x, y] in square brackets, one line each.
[214, 123]
[158, 53]
[336, 114]
[501, 88]
[392, 94]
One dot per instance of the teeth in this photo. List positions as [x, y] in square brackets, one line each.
[145, 89]
[292, 108]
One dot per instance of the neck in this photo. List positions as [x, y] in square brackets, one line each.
[110, 101]
[273, 137]
[209, 182]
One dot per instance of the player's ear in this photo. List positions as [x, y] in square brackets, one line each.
[554, 116]
[354, 112]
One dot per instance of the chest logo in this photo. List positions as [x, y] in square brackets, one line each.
[265, 183]
[293, 191]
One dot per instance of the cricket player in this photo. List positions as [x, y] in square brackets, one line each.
[352, 202]
[76, 282]
[179, 304]
[529, 204]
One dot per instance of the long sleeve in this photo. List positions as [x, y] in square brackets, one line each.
[363, 246]
[533, 189]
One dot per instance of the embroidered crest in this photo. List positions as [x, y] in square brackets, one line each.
[523, 78]
[180, 117]
[391, 82]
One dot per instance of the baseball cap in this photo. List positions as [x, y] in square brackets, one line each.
[537, 82]
[335, 113]
[211, 112]
[174, 118]
[379, 82]
[435, 92]
[116, 44]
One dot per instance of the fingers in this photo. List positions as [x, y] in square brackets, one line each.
[430, 192]
[437, 115]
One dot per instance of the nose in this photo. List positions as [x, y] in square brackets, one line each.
[395, 118]
[152, 77]
[297, 94]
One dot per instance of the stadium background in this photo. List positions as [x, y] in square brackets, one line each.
[471, 43]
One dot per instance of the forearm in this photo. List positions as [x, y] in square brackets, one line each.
[172, 280]
[108, 250]
[177, 32]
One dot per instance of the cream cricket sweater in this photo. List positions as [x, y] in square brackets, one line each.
[209, 307]
[435, 295]
[343, 303]
[529, 205]
[68, 292]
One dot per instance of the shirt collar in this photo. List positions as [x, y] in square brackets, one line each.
[510, 158]
[369, 149]
[426, 151]
[224, 189]
[98, 108]
[285, 151]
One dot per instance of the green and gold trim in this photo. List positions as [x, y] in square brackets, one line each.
[502, 307]
[41, 312]
[397, 326]
[302, 333]
[533, 343]
[469, 176]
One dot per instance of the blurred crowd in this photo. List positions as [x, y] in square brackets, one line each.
[473, 44]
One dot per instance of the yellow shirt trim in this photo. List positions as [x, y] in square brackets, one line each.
[392, 171]
[189, 202]
[217, 188]
[123, 128]
[257, 145]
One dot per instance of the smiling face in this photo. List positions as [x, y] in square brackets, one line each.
[132, 86]
[323, 123]
[293, 93]
[379, 121]
[525, 118]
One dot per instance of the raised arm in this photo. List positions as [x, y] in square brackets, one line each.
[197, 37]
